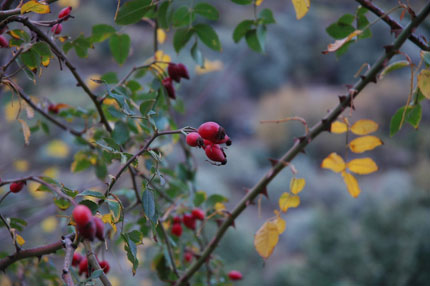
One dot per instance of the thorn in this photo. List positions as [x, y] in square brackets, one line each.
[302, 138]
[264, 192]
[273, 162]
[389, 49]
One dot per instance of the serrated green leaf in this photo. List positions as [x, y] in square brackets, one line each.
[91, 193]
[146, 106]
[90, 204]
[266, 15]
[131, 249]
[114, 209]
[149, 205]
[252, 40]
[182, 17]
[162, 16]
[132, 12]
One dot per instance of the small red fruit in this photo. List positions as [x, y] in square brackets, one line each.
[198, 214]
[188, 256]
[182, 71]
[100, 227]
[177, 219]
[64, 12]
[211, 131]
[82, 215]
[3, 42]
[57, 28]
[215, 153]
[168, 85]
[189, 221]
[88, 231]
[53, 108]
[235, 275]
[177, 229]
[172, 70]
[194, 139]
[83, 267]
[77, 257]
[105, 266]
[16, 186]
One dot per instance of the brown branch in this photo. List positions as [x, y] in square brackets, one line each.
[300, 145]
[12, 234]
[70, 249]
[295, 118]
[92, 260]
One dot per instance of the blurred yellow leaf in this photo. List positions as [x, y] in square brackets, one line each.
[65, 3]
[107, 218]
[46, 61]
[340, 43]
[297, 185]
[11, 110]
[301, 7]
[111, 101]
[333, 162]
[57, 149]
[338, 127]
[20, 240]
[219, 207]
[49, 224]
[114, 280]
[161, 36]
[36, 7]
[364, 143]
[91, 83]
[266, 239]
[25, 131]
[5, 281]
[424, 82]
[362, 166]
[162, 57]
[258, 2]
[281, 224]
[351, 184]
[288, 201]
[33, 189]
[51, 172]
[21, 165]
[364, 127]
[209, 66]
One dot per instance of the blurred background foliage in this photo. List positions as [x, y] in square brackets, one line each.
[380, 238]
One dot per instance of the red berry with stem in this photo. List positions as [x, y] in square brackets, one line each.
[82, 215]
[177, 229]
[77, 258]
[88, 231]
[188, 256]
[211, 131]
[194, 139]
[198, 214]
[172, 70]
[65, 12]
[3, 42]
[105, 266]
[177, 219]
[57, 28]
[100, 227]
[189, 221]
[215, 153]
[168, 85]
[16, 187]
[83, 267]
[235, 275]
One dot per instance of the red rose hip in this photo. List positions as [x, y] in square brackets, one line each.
[215, 153]
[211, 131]
[235, 275]
[194, 139]
[105, 266]
[64, 12]
[77, 258]
[168, 85]
[177, 219]
[189, 221]
[82, 215]
[100, 227]
[16, 187]
[198, 214]
[188, 256]
[177, 229]
[3, 42]
[83, 267]
[57, 28]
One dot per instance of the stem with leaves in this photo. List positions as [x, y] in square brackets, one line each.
[92, 260]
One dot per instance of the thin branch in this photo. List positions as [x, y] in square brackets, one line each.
[300, 145]
[12, 234]
[17, 53]
[92, 260]
[4, 196]
[169, 249]
[70, 249]
[295, 118]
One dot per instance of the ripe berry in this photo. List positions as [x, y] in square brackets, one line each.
[16, 186]
[83, 267]
[82, 215]
[198, 214]
[189, 221]
[3, 42]
[188, 256]
[182, 71]
[57, 28]
[77, 257]
[211, 131]
[100, 227]
[177, 219]
[53, 108]
[105, 266]
[177, 229]
[64, 12]
[168, 85]
[173, 72]
[215, 153]
[194, 139]
[235, 275]
[88, 231]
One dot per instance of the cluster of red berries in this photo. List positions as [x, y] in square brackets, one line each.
[16, 187]
[64, 15]
[82, 263]
[176, 72]
[88, 226]
[188, 219]
[209, 136]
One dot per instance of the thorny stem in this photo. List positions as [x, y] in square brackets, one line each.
[70, 249]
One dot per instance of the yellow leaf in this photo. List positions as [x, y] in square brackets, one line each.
[301, 7]
[161, 36]
[288, 201]
[45, 62]
[209, 66]
[364, 143]
[36, 7]
[51, 172]
[333, 162]
[258, 2]
[65, 3]
[338, 127]
[266, 239]
[25, 131]
[281, 224]
[161, 56]
[57, 149]
[20, 240]
[21, 165]
[364, 127]
[107, 218]
[297, 185]
[11, 110]
[424, 83]
[362, 166]
[91, 83]
[340, 43]
[49, 224]
[33, 188]
[219, 207]
[351, 184]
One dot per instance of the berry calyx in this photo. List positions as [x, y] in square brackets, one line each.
[235, 275]
[88, 231]
[177, 229]
[105, 266]
[188, 256]
[211, 131]
[100, 227]
[3, 42]
[65, 12]
[82, 215]
[168, 85]
[215, 153]
[177, 219]
[189, 221]
[194, 139]
[77, 258]
[16, 186]
[57, 28]
[198, 214]
[83, 267]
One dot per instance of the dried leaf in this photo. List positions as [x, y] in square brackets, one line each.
[338, 127]
[19, 239]
[364, 143]
[362, 166]
[364, 127]
[25, 131]
[288, 201]
[340, 43]
[334, 162]
[266, 239]
[424, 83]
[297, 185]
[36, 7]
[351, 184]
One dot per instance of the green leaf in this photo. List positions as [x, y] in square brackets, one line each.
[163, 20]
[242, 2]
[42, 49]
[241, 29]
[120, 133]
[149, 206]
[197, 55]
[266, 16]
[392, 67]
[96, 274]
[162, 267]
[90, 204]
[81, 45]
[182, 17]
[101, 169]
[132, 12]
[91, 193]
[136, 236]
[253, 41]
[17, 223]
[114, 209]
[181, 38]
[102, 32]
[206, 10]
[261, 36]
[31, 59]
[413, 116]
[110, 78]
[199, 198]
[362, 23]
[19, 34]
[208, 36]
[342, 28]
[146, 106]
[62, 203]
[215, 198]
[120, 46]
[131, 249]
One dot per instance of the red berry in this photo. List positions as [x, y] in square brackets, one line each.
[226, 141]
[16, 186]
[182, 71]
[64, 12]
[235, 275]
[88, 231]
[57, 28]
[198, 214]
[82, 215]
[177, 219]
[53, 108]
[177, 229]
[77, 257]
[168, 85]
[100, 227]
[83, 267]
[194, 139]
[215, 153]
[188, 256]
[105, 266]
[172, 70]
[211, 131]
[3, 42]
[189, 221]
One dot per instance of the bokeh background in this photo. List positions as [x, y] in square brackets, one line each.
[380, 238]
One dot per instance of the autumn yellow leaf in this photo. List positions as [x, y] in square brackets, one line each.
[11, 110]
[333, 162]
[364, 127]
[424, 82]
[161, 36]
[338, 127]
[362, 166]
[351, 184]
[266, 239]
[301, 7]
[209, 66]
[91, 83]
[364, 143]
[340, 43]
[107, 218]
[36, 7]
[25, 131]
[49, 224]
[297, 185]
[258, 2]
[163, 57]
[57, 149]
[219, 207]
[288, 201]
[21, 165]
[20, 240]
[281, 224]
[66, 3]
